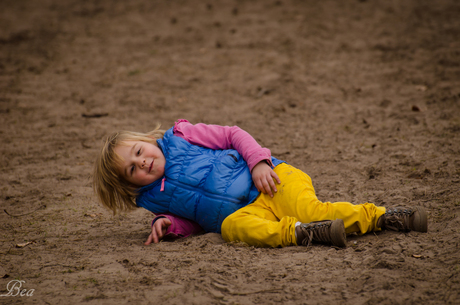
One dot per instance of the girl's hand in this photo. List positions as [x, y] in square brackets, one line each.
[263, 177]
[158, 230]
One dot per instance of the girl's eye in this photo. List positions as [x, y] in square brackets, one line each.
[138, 152]
[132, 169]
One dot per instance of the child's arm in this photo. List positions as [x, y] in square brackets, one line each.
[223, 137]
[171, 227]
[226, 137]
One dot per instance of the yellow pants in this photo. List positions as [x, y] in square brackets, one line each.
[270, 222]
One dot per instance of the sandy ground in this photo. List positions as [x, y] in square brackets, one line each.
[364, 96]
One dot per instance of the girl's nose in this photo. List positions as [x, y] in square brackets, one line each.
[143, 163]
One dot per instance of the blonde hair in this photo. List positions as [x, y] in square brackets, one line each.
[114, 192]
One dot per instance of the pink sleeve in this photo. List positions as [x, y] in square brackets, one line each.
[180, 227]
[223, 137]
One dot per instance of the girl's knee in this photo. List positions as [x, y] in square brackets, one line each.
[229, 225]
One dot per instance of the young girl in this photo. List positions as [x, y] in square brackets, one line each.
[223, 180]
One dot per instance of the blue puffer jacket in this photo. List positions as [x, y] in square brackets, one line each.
[200, 184]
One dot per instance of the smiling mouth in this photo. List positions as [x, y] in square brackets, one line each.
[151, 165]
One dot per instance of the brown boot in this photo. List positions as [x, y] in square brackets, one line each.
[404, 219]
[328, 231]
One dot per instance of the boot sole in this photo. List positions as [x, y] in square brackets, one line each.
[420, 222]
[338, 236]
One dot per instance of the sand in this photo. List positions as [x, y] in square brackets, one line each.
[364, 96]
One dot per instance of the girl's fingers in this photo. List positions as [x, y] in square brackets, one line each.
[149, 240]
[265, 180]
[272, 185]
[274, 175]
[167, 222]
[158, 233]
[267, 187]
[271, 182]
[259, 187]
[158, 230]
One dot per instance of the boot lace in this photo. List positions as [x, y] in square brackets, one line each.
[317, 231]
[398, 219]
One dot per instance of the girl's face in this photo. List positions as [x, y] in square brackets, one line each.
[143, 163]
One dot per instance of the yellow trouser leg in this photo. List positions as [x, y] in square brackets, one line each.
[270, 222]
[258, 226]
